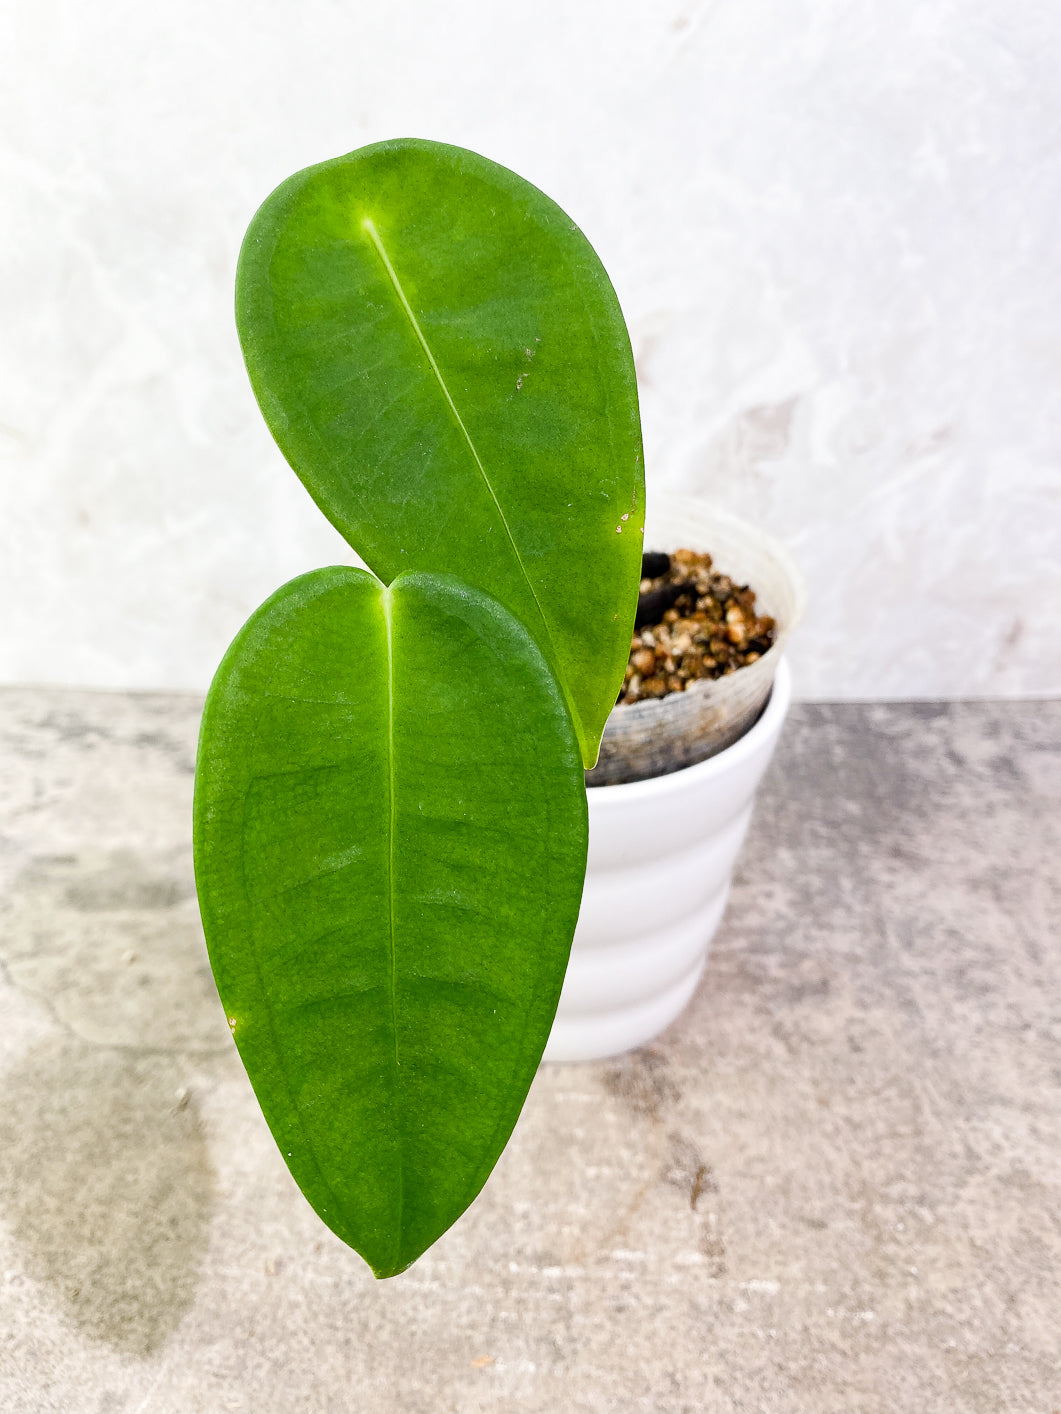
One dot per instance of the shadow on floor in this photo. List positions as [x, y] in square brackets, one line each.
[106, 1182]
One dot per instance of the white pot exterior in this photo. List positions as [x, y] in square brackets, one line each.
[661, 853]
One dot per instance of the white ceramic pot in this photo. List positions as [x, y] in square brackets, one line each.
[661, 854]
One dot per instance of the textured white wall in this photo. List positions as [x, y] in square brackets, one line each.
[833, 227]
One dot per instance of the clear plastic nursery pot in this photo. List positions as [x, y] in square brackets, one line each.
[655, 737]
[662, 846]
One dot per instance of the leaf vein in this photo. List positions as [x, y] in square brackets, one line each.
[386, 602]
[369, 227]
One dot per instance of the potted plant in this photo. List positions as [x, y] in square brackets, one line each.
[390, 809]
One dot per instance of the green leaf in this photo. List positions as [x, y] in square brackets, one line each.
[390, 842]
[441, 357]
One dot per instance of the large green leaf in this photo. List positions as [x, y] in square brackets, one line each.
[390, 841]
[441, 357]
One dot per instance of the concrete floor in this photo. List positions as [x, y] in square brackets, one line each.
[834, 1185]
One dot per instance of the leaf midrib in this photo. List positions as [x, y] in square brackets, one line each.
[369, 227]
[386, 605]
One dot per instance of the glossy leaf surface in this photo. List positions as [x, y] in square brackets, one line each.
[390, 842]
[441, 357]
